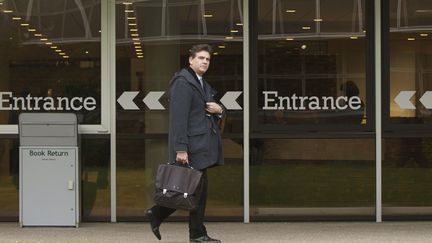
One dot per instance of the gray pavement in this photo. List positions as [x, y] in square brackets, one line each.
[227, 232]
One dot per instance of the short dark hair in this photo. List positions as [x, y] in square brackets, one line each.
[200, 47]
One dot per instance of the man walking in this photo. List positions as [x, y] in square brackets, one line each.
[194, 136]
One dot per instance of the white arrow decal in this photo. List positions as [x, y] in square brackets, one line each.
[403, 100]
[152, 100]
[426, 99]
[126, 100]
[229, 100]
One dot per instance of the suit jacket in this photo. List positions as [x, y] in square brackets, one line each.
[191, 129]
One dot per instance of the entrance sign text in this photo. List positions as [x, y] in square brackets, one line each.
[274, 102]
[30, 103]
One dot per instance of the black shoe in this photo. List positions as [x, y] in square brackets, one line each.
[205, 238]
[154, 226]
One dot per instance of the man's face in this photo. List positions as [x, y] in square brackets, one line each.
[200, 63]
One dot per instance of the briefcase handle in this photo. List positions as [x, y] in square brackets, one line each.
[180, 164]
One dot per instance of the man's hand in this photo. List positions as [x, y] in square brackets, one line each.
[213, 108]
[182, 157]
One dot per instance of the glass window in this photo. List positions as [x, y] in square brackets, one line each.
[410, 61]
[344, 17]
[312, 178]
[50, 58]
[152, 44]
[9, 180]
[407, 164]
[311, 64]
[311, 75]
[406, 154]
[95, 179]
[413, 13]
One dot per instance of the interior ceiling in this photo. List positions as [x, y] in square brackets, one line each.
[79, 20]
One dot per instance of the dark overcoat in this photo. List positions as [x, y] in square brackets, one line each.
[191, 128]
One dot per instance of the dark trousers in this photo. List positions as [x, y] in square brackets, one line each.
[196, 217]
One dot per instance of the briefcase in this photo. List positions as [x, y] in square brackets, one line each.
[177, 186]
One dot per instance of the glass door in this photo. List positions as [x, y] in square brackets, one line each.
[50, 61]
[312, 146]
[407, 114]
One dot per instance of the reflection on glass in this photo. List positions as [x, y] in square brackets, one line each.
[413, 13]
[407, 166]
[95, 180]
[410, 60]
[153, 39]
[313, 178]
[311, 63]
[50, 53]
[9, 181]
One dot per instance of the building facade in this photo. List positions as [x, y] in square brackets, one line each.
[328, 105]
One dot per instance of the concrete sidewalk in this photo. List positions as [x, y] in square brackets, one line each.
[227, 232]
